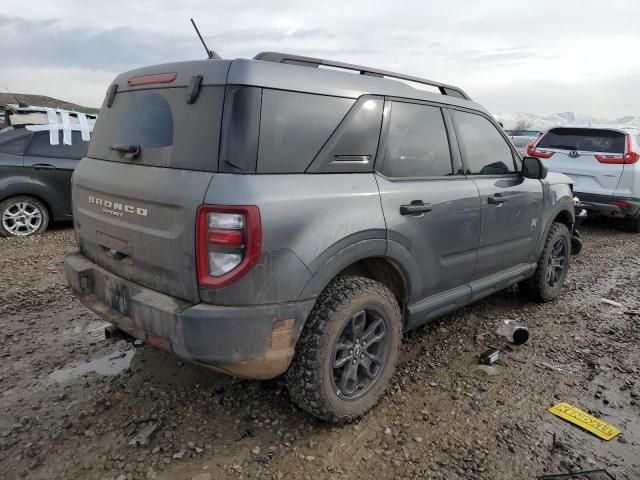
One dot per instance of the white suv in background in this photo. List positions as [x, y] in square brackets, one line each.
[603, 164]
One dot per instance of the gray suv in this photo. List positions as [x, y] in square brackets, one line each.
[273, 216]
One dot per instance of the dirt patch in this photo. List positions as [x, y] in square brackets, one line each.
[440, 418]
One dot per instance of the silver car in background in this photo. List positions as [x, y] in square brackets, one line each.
[603, 163]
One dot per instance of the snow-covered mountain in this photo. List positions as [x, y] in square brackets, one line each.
[544, 122]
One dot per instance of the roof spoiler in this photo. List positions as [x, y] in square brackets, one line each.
[373, 72]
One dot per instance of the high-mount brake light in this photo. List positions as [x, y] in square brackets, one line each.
[151, 79]
[628, 158]
[532, 151]
[229, 242]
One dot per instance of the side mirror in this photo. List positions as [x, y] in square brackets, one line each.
[533, 168]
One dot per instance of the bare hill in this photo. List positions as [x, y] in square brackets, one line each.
[43, 101]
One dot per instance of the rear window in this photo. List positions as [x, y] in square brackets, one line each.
[170, 132]
[148, 121]
[584, 139]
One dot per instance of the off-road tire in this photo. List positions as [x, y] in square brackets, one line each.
[310, 376]
[5, 204]
[537, 287]
[632, 224]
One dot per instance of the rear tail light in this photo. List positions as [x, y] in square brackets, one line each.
[532, 151]
[627, 159]
[622, 205]
[228, 243]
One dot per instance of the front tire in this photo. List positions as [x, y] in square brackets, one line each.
[22, 216]
[347, 351]
[553, 266]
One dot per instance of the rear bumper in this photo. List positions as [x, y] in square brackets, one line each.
[239, 341]
[601, 205]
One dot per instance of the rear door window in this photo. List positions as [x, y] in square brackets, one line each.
[584, 139]
[417, 144]
[170, 132]
[484, 150]
[41, 146]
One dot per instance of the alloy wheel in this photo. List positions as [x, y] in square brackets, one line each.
[557, 262]
[360, 353]
[22, 218]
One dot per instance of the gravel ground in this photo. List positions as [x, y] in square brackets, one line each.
[439, 419]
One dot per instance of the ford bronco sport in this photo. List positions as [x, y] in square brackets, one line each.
[271, 216]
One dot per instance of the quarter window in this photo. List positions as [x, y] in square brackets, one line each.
[485, 151]
[417, 144]
[15, 146]
[294, 127]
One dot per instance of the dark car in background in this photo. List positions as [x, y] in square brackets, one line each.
[35, 179]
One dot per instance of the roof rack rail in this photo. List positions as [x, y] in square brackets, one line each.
[374, 72]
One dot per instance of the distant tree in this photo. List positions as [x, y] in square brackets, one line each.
[522, 124]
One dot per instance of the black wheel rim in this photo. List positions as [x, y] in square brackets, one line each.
[360, 353]
[557, 263]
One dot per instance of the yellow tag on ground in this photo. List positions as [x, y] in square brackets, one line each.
[583, 419]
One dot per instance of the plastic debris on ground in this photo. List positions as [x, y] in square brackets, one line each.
[514, 331]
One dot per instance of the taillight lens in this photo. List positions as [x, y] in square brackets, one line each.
[229, 242]
[532, 151]
[628, 158]
[623, 205]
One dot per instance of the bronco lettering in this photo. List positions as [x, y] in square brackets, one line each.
[114, 208]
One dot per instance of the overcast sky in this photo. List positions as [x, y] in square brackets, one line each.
[540, 57]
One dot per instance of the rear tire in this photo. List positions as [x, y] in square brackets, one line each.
[632, 224]
[347, 351]
[553, 266]
[22, 216]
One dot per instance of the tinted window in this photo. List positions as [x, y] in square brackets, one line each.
[294, 127]
[485, 151]
[417, 145]
[353, 145]
[240, 129]
[147, 122]
[15, 146]
[41, 146]
[172, 133]
[585, 139]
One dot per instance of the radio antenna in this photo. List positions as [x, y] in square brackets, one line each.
[210, 53]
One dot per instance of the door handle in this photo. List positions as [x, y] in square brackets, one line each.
[43, 166]
[416, 207]
[496, 200]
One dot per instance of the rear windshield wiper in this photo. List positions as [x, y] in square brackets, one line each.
[130, 151]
